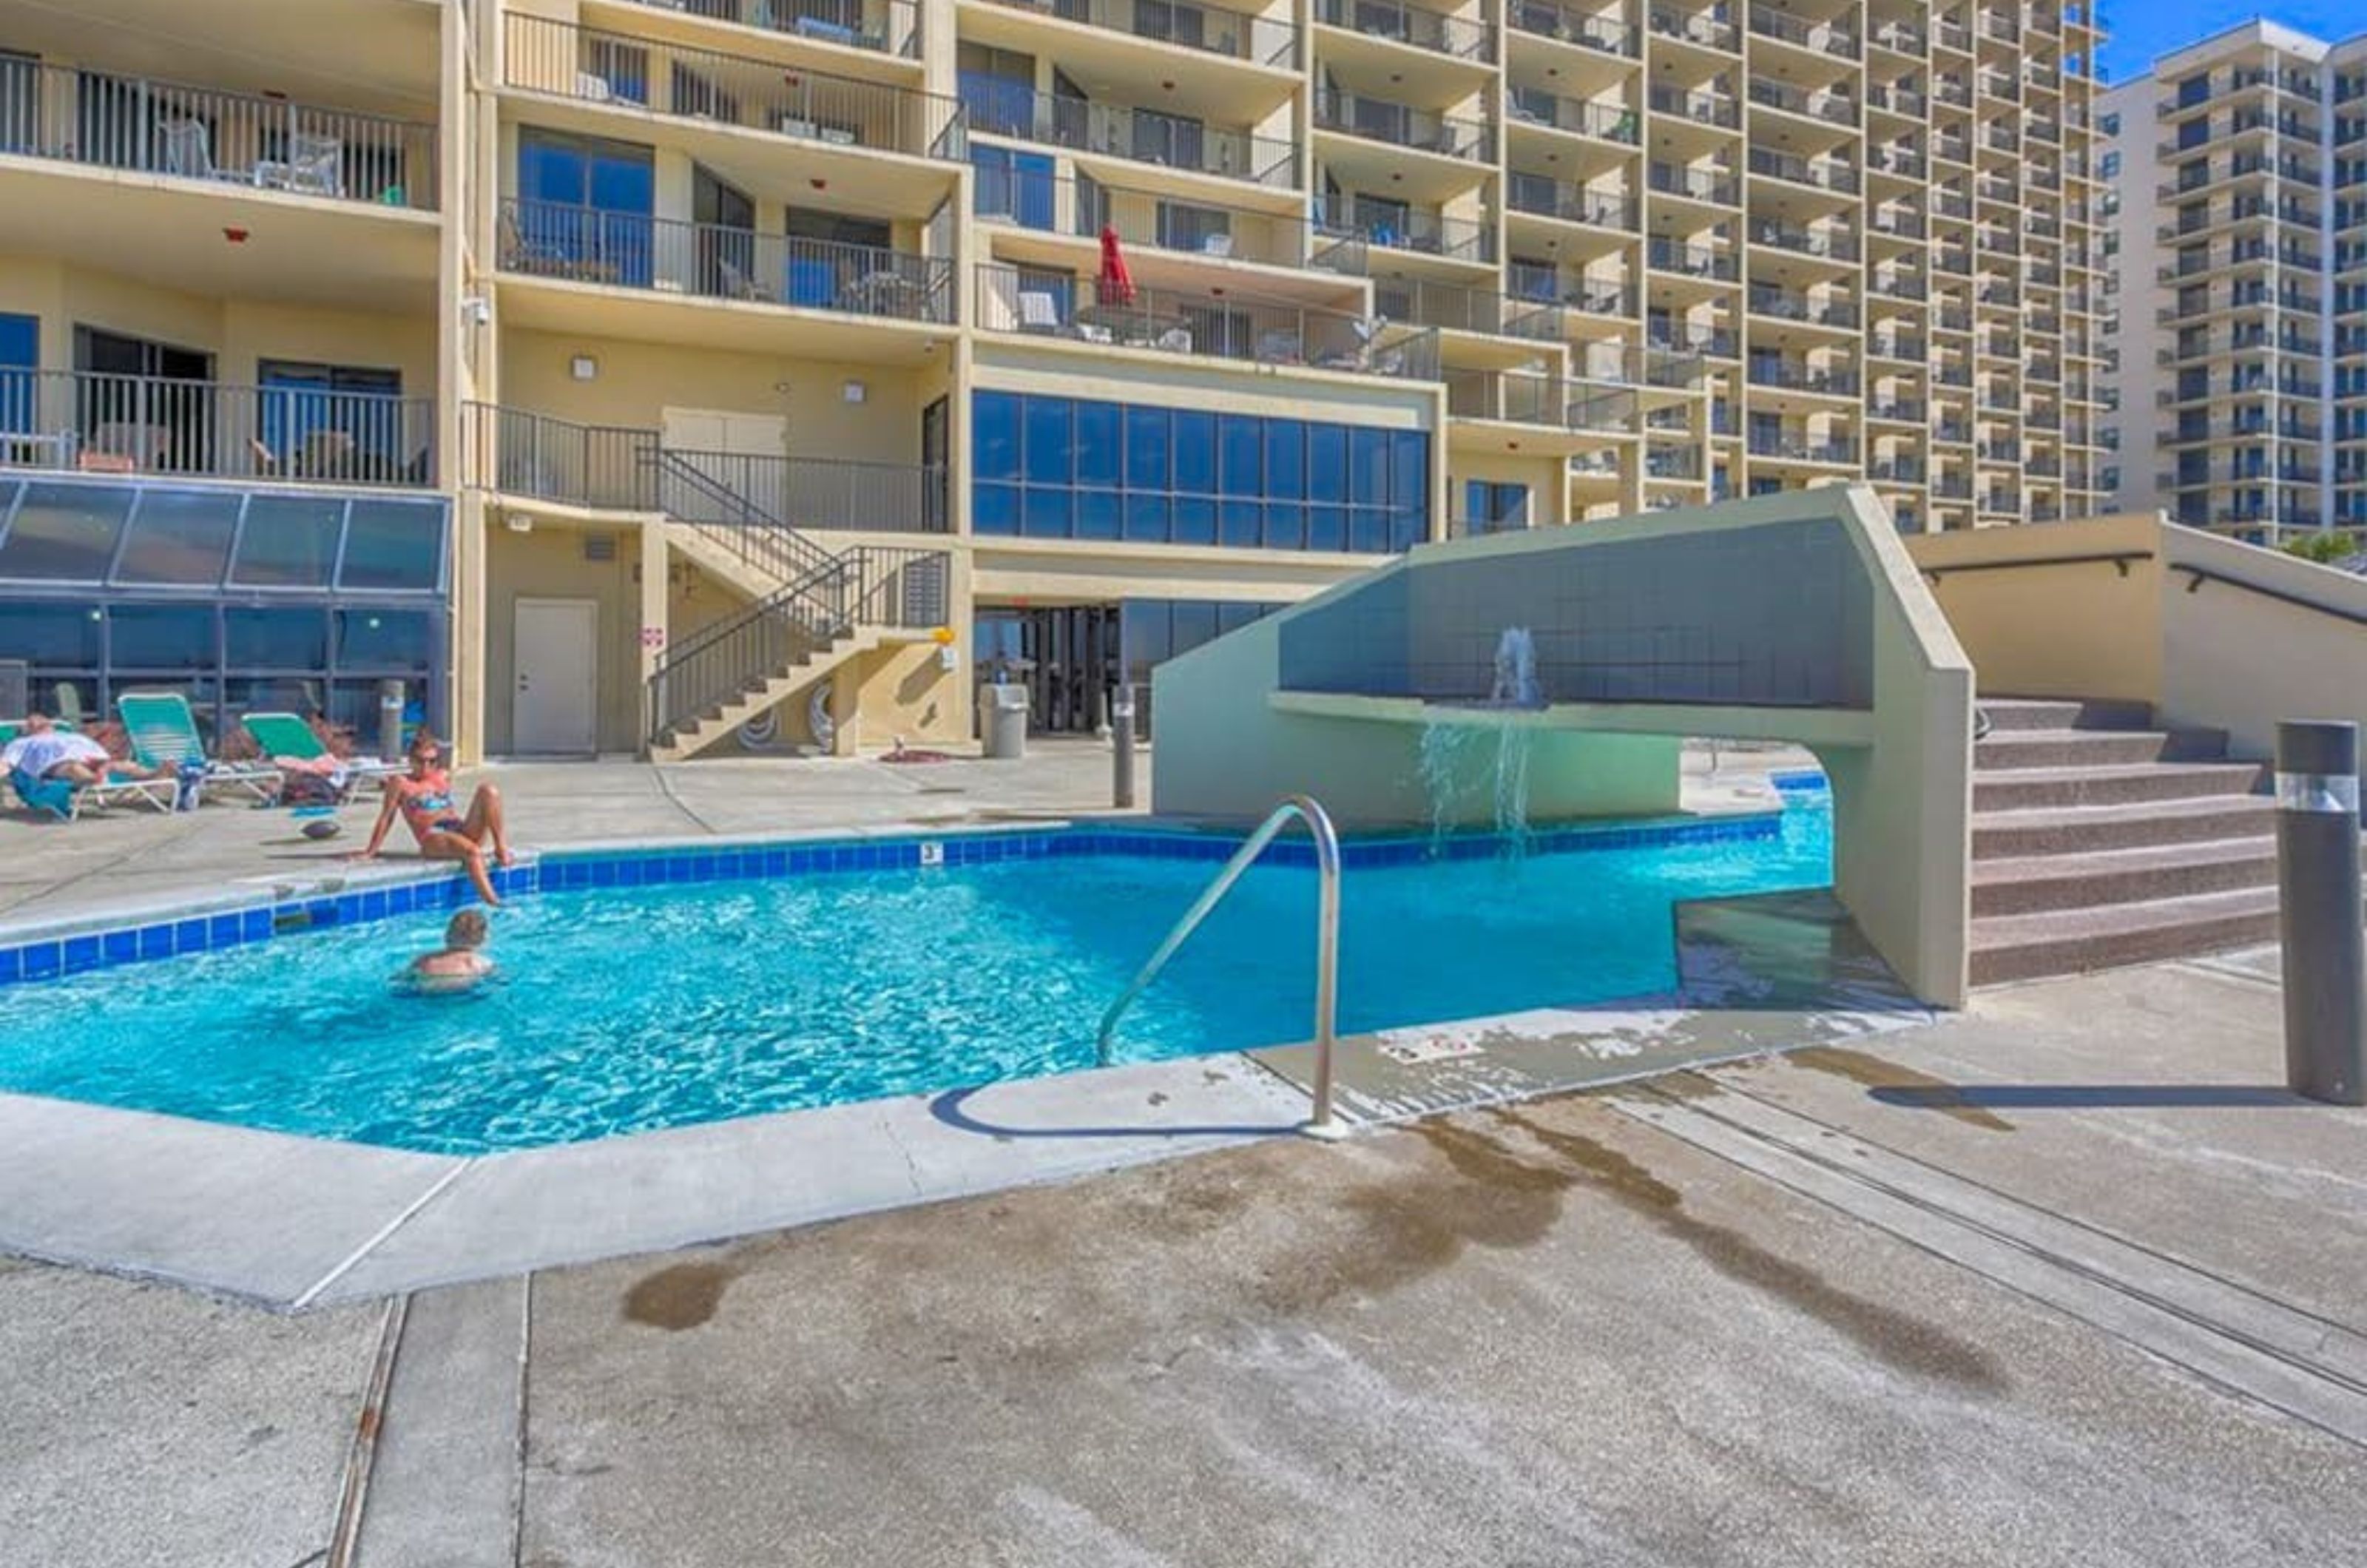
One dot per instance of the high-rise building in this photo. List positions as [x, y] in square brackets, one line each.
[624, 374]
[2236, 366]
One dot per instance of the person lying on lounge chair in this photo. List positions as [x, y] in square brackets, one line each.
[51, 755]
[423, 798]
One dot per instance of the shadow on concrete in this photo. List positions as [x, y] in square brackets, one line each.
[2083, 1096]
[951, 1108]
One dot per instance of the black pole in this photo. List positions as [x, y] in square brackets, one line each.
[2325, 931]
[1122, 747]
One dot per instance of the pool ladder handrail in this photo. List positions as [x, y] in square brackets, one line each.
[1327, 941]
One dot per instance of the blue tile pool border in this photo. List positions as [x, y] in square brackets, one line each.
[160, 934]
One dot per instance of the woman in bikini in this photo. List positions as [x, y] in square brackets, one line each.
[424, 799]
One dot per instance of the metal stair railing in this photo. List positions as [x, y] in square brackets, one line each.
[1308, 810]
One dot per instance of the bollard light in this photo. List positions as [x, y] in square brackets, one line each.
[2324, 929]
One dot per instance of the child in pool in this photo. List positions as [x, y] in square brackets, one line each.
[458, 965]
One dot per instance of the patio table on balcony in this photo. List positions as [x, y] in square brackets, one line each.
[887, 293]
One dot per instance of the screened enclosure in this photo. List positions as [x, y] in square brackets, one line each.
[287, 601]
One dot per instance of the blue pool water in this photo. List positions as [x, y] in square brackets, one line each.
[623, 1009]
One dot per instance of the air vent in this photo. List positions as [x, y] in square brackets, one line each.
[600, 547]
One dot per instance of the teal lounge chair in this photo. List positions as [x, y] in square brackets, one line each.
[285, 735]
[165, 734]
[64, 802]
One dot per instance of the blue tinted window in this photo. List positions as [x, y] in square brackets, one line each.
[20, 351]
[1242, 452]
[1285, 526]
[275, 639]
[1409, 468]
[1327, 528]
[1098, 515]
[1368, 474]
[1098, 448]
[393, 545]
[160, 637]
[386, 639]
[49, 633]
[1195, 453]
[1195, 520]
[1051, 454]
[180, 536]
[64, 533]
[1368, 529]
[1146, 518]
[20, 341]
[1286, 458]
[1327, 464]
[1243, 524]
[995, 509]
[1146, 448]
[996, 438]
[1048, 514]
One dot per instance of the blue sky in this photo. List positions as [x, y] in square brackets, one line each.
[2138, 31]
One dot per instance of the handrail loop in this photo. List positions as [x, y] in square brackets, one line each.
[1327, 942]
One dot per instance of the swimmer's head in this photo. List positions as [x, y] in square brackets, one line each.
[466, 930]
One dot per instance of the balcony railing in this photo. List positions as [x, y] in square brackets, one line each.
[226, 140]
[1691, 261]
[1608, 122]
[1713, 186]
[1341, 241]
[1801, 448]
[624, 71]
[1791, 307]
[1551, 20]
[1401, 125]
[1898, 99]
[621, 467]
[1452, 307]
[1453, 36]
[1827, 174]
[626, 250]
[1804, 379]
[1211, 30]
[999, 106]
[1146, 218]
[96, 423]
[1546, 285]
[1822, 37]
[1831, 244]
[1707, 27]
[891, 26]
[1231, 326]
[1549, 198]
[1835, 109]
[1524, 398]
[1702, 108]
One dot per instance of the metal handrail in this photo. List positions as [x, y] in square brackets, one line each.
[1327, 941]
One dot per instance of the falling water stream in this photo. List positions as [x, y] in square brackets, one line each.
[1452, 753]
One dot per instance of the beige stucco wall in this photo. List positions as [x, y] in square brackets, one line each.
[548, 563]
[2240, 662]
[2058, 630]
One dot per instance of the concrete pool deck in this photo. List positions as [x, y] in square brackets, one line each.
[2063, 1278]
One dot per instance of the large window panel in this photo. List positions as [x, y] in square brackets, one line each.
[1147, 465]
[1285, 459]
[1327, 463]
[995, 509]
[388, 641]
[64, 533]
[160, 637]
[1051, 442]
[1242, 448]
[1147, 518]
[1195, 452]
[272, 638]
[1242, 524]
[180, 538]
[1100, 514]
[1195, 520]
[20, 346]
[1100, 450]
[1050, 513]
[393, 545]
[50, 634]
[996, 436]
[289, 541]
[1368, 473]
[1409, 468]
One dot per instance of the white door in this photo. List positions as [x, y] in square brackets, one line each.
[744, 453]
[556, 658]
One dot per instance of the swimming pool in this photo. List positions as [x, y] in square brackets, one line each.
[658, 991]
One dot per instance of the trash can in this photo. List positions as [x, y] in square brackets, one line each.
[1006, 723]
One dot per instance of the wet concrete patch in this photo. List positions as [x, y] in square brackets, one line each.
[681, 1296]
[1901, 1084]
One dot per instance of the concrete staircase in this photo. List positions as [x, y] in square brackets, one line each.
[2098, 841]
[762, 689]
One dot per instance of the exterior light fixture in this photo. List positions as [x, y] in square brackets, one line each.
[583, 368]
[853, 391]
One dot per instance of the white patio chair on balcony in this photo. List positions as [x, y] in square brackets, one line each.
[316, 166]
[1039, 312]
[1217, 246]
[188, 149]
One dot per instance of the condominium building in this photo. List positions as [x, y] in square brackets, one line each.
[668, 375]
[2236, 363]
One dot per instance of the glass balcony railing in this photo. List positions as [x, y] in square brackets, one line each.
[1452, 307]
[1691, 261]
[1707, 27]
[1457, 37]
[997, 105]
[1401, 125]
[891, 26]
[1343, 240]
[1209, 29]
[713, 260]
[228, 141]
[93, 422]
[1605, 122]
[1791, 446]
[1229, 326]
[1702, 108]
[1789, 376]
[1516, 397]
[1836, 108]
[627, 71]
[1570, 24]
[1714, 185]
[1831, 244]
[1549, 198]
[1822, 37]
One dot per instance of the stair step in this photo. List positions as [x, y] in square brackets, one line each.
[2074, 941]
[2009, 749]
[2063, 712]
[1998, 835]
[2031, 789]
[2039, 884]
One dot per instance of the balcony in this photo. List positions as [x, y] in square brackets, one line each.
[1707, 27]
[1822, 37]
[1665, 255]
[1549, 20]
[888, 26]
[1230, 326]
[560, 59]
[1899, 410]
[1909, 350]
[1834, 108]
[1791, 307]
[1825, 245]
[1342, 243]
[1789, 447]
[226, 141]
[1701, 108]
[999, 106]
[1084, 206]
[1546, 198]
[1452, 307]
[621, 249]
[1604, 122]
[1454, 37]
[1400, 125]
[1899, 37]
[1208, 30]
[1793, 376]
[1825, 174]
[1897, 161]
[1514, 397]
[91, 422]
[1713, 186]
[1897, 99]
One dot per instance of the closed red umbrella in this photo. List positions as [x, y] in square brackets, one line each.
[1115, 285]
